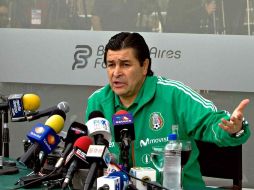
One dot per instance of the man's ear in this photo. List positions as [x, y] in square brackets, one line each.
[145, 66]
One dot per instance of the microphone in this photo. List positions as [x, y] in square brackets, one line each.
[20, 103]
[124, 179]
[108, 183]
[78, 157]
[98, 154]
[115, 181]
[44, 136]
[98, 127]
[145, 176]
[124, 133]
[75, 131]
[64, 106]
[112, 165]
[123, 125]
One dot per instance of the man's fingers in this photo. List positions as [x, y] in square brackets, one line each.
[242, 105]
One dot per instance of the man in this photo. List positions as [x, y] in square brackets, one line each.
[132, 87]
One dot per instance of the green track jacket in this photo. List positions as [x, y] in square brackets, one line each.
[164, 106]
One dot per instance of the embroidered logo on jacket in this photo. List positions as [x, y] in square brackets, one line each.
[146, 159]
[156, 121]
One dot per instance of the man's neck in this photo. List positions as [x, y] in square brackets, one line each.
[127, 102]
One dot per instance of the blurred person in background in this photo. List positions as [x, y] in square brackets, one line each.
[4, 17]
[189, 16]
[235, 12]
[115, 15]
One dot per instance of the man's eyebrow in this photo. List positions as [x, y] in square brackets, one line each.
[118, 60]
[123, 59]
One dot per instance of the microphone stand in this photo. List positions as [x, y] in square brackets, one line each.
[4, 142]
[125, 147]
[6, 135]
[1, 142]
[3, 107]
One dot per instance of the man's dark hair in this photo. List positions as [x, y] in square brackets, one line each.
[130, 40]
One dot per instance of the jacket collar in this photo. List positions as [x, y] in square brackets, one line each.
[145, 94]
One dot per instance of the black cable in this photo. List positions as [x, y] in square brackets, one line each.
[35, 181]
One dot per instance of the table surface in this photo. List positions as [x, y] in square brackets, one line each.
[7, 182]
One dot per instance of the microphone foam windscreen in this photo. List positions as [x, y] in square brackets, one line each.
[77, 128]
[31, 102]
[83, 143]
[95, 114]
[64, 106]
[56, 121]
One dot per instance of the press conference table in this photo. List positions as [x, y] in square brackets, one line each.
[7, 182]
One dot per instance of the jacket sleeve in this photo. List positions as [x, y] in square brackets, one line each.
[200, 118]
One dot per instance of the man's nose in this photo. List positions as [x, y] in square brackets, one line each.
[117, 71]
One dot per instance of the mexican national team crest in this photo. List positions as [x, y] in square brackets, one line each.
[156, 121]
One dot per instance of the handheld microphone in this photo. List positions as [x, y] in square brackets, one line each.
[20, 103]
[75, 131]
[112, 165]
[44, 136]
[124, 179]
[145, 174]
[78, 157]
[108, 183]
[124, 133]
[98, 154]
[98, 127]
[123, 125]
[115, 181]
[64, 106]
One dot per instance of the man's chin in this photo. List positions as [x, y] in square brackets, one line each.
[119, 92]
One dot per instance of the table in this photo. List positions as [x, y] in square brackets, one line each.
[8, 181]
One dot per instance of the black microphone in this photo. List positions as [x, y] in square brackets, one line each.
[104, 187]
[77, 157]
[98, 154]
[123, 125]
[124, 133]
[64, 106]
[75, 131]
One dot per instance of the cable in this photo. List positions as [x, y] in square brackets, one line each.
[37, 180]
[131, 176]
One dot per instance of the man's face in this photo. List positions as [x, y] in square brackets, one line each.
[125, 74]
